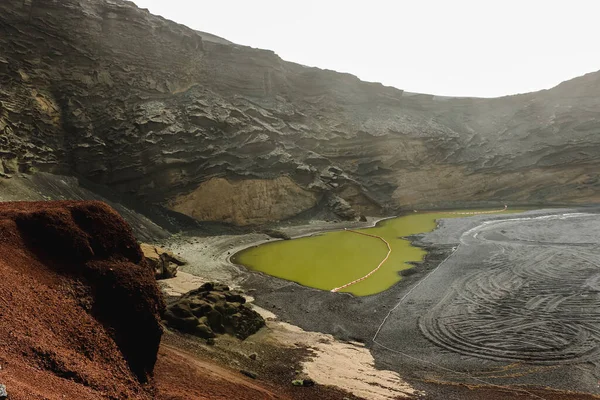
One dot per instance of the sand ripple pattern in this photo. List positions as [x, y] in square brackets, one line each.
[540, 306]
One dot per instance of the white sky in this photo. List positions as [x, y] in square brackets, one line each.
[446, 47]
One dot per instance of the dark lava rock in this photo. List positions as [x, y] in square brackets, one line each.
[303, 382]
[249, 374]
[274, 233]
[341, 207]
[213, 309]
[408, 272]
[308, 382]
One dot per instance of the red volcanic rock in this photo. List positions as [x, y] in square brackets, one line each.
[79, 306]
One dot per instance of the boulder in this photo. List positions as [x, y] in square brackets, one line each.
[277, 234]
[303, 382]
[341, 208]
[213, 309]
[249, 374]
[164, 263]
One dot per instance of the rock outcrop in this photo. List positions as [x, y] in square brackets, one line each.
[248, 201]
[104, 90]
[277, 234]
[80, 307]
[164, 263]
[213, 309]
[341, 208]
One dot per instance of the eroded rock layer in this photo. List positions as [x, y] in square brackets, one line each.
[105, 90]
[249, 201]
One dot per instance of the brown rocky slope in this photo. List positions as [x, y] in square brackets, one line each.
[80, 317]
[104, 90]
[79, 306]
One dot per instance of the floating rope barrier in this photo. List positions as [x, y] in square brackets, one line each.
[372, 272]
[337, 289]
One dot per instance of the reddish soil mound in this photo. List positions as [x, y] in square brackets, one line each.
[79, 306]
[182, 376]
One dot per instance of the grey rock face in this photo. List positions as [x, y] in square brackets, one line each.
[341, 208]
[107, 91]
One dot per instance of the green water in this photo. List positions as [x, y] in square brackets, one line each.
[333, 259]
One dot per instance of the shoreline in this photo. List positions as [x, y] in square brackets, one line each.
[351, 318]
[372, 224]
[327, 358]
[366, 225]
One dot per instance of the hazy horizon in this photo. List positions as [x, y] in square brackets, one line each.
[459, 48]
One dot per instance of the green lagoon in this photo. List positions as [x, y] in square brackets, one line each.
[332, 259]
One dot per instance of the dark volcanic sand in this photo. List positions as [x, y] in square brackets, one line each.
[515, 306]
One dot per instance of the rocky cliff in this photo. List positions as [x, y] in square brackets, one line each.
[107, 91]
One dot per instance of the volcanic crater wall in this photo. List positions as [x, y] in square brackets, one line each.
[104, 90]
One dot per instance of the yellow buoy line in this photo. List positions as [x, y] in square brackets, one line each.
[372, 272]
[337, 289]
